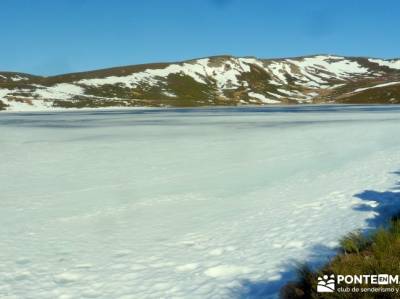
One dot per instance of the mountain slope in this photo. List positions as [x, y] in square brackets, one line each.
[219, 80]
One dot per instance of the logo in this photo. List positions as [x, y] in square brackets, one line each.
[373, 283]
[326, 284]
[384, 279]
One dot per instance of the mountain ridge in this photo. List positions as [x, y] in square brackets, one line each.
[214, 80]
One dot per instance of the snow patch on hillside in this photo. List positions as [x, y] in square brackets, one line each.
[225, 75]
[339, 67]
[27, 105]
[18, 78]
[62, 91]
[377, 86]
[153, 76]
[393, 64]
[278, 70]
[297, 79]
[262, 98]
[4, 92]
[312, 72]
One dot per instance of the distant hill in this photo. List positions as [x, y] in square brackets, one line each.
[218, 80]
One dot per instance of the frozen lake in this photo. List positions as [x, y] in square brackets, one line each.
[184, 203]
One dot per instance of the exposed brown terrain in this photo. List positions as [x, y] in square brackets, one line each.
[219, 80]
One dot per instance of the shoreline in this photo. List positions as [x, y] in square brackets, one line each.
[169, 108]
[357, 264]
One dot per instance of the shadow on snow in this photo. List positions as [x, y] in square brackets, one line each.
[388, 204]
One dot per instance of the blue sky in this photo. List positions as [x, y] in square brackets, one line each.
[57, 36]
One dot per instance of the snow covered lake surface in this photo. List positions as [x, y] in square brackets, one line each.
[185, 203]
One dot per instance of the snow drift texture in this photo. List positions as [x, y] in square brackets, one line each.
[182, 203]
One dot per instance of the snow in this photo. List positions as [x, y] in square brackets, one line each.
[219, 73]
[183, 203]
[61, 91]
[336, 85]
[4, 92]
[313, 72]
[262, 98]
[275, 95]
[44, 106]
[226, 75]
[226, 271]
[150, 76]
[17, 78]
[17, 103]
[169, 94]
[253, 61]
[23, 103]
[377, 86]
[41, 97]
[339, 67]
[312, 94]
[288, 92]
[278, 70]
[298, 96]
[394, 63]
[25, 106]
[14, 78]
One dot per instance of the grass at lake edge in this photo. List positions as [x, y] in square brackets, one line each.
[360, 254]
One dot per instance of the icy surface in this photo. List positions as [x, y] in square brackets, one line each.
[185, 203]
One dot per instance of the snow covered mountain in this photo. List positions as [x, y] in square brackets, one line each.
[219, 80]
